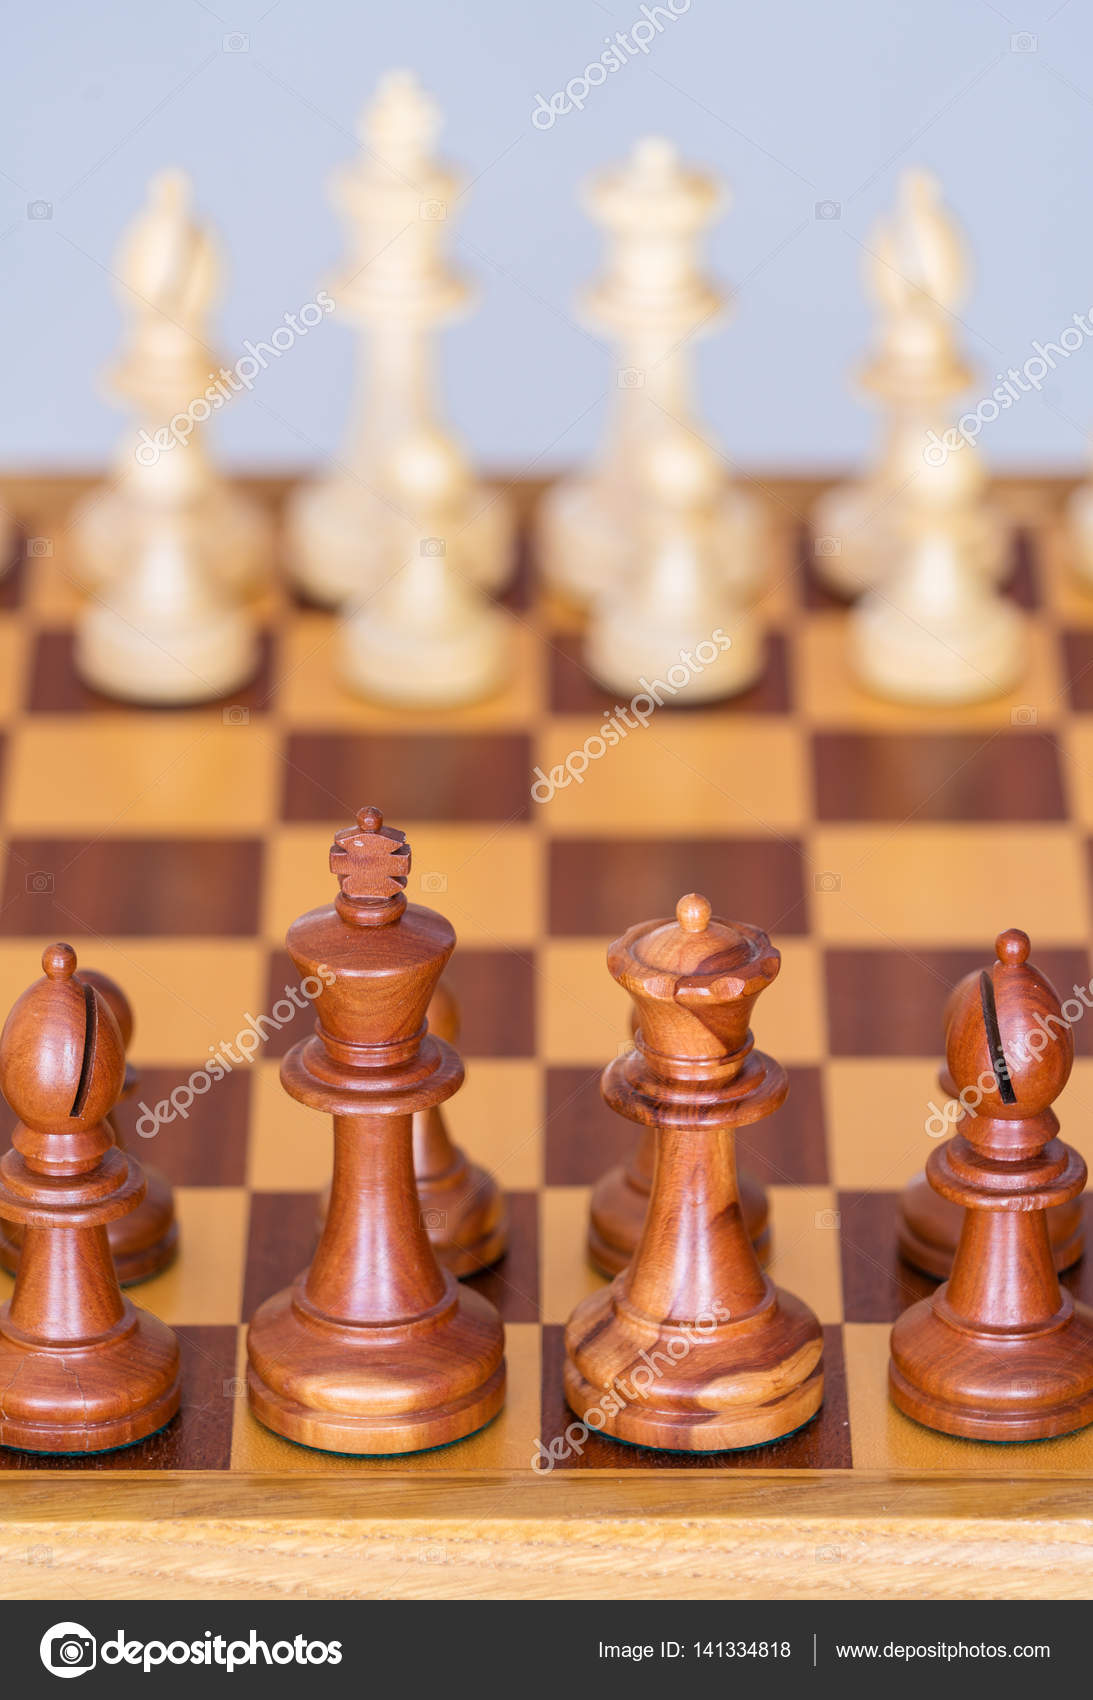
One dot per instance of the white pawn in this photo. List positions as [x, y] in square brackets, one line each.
[168, 268]
[427, 637]
[678, 620]
[653, 300]
[937, 631]
[398, 203]
[917, 271]
[165, 630]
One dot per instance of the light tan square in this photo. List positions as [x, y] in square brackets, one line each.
[1076, 738]
[134, 774]
[311, 692]
[829, 694]
[951, 885]
[497, 1118]
[565, 1274]
[204, 1285]
[680, 775]
[486, 879]
[879, 1117]
[805, 1247]
[15, 642]
[506, 1444]
[583, 1015]
[882, 1438]
[290, 1147]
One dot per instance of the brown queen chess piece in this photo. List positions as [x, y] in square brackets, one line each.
[374, 1349]
[145, 1241]
[1000, 1352]
[929, 1225]
[462, 1206]
[737, 1361]
[620, 1200]
[81, 1368]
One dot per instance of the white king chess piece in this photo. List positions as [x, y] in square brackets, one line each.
[653, 300]
[678, 619]
[427, 636]
[169, 270]
[398, 203]
[917, 271]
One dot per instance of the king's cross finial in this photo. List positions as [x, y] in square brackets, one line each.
[370, 861]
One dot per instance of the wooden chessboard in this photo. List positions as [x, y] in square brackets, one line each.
[882, 848]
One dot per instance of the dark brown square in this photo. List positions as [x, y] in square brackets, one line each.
[14, 572]
[205, 1142]
[199, 1438]
[891, 1002]
[55, 687]
[877, 1284]
[1078, 669]
[1079, 1280]
[280, 1036]
[281, 1237]
[937, 777]
[416, 776]
[601, 886]
[584, 1138]
[574, 690]
[823, 1444]
[495, 992]
[126, 887]
[513, 1283]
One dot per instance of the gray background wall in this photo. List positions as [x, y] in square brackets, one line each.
[794, 102]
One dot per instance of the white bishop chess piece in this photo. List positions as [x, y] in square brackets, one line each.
[653, 300]
[397, 201]
[166, 624]
[678, 615]
[169, 271]
[917, 271]
[427, 637]
[937, 630]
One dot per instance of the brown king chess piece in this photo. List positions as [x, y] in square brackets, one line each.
[81, 1368]
[462, 1206]
[145, 1241]
[723, 1357]
[1000, 1352]
[620, 1200]
[929, 1225]
[374, 1349]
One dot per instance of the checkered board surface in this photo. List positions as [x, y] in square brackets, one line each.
[882, 848]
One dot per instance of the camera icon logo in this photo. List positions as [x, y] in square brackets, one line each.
[68, 1649]
[1023, 42]
[827, 882]
[39, 547]
[1024, 715]
[829, 546]
[236, 42]
[432, 546]
[39, 884]
[434, 882]
[435, 1219]
[829, 209]
[39, 209]
[631, 378]
[432, 210]
[236, 715]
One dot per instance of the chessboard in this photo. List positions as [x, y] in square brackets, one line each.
[883, 849]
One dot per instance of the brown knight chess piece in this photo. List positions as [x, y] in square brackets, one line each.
[81, 1368]
[725, 1358]
[1000, 1352]
[374, 1349]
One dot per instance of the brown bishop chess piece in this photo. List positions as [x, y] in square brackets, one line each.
[929, 1225]
[620, 1200]
[462, 1206]
[81, 1369]
[692, 1348]
[145, 1241]
[374, 1349]
[1000, 1352]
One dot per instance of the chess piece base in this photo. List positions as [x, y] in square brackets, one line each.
[929, 1227]
[897, 657]
[88, 1398]
[209, 661]
[743, 1383]
[856, 539]
[371, 1390]
[1028, 1386]
[621, 650]
[441, 668]
[232, 533]
[617, 1216]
